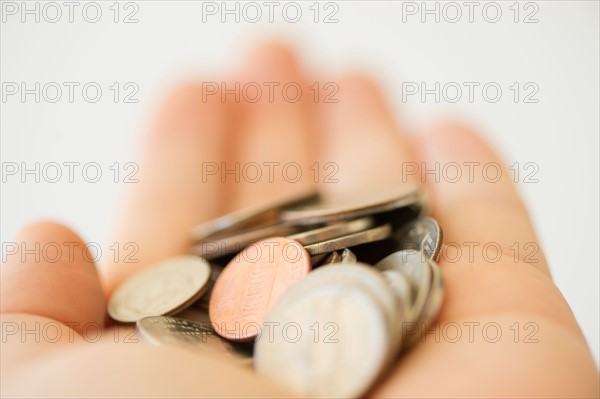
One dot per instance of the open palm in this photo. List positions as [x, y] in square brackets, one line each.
[504, 329]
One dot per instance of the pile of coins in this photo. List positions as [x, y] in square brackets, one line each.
[321, 295]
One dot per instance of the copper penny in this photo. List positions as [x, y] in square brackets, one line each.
[252, 282]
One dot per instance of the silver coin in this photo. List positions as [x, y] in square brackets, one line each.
[259, 215]
[332, 231]
[367, 202]
[161, 290]
[220, 246]
[191, 334]
[363, 237]
[414, 265]
[422, 234]
[333, 338]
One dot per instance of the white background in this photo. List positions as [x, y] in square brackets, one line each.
[171, 43]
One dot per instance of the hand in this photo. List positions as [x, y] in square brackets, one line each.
[360, 136]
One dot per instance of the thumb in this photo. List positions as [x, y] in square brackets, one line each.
[48, 271]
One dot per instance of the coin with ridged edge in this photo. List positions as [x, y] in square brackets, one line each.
[164, 289]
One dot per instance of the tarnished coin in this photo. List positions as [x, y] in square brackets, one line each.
[364, 203]
[414, 265]
[252, 282]
[161, 290]
[332, 231]
[330, 335]
[258, 215]
[362, 237]
[164, 330]
[220, 246]
[422, 234]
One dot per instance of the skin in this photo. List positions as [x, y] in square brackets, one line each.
[360, 135]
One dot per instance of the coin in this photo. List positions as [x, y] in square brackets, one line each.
[422, 234]
[221, 246]
[252, 282]
[164, 289]
[362, 237]
[333, 338]
[263, 214]
[332, 231]
[415, 267]
[367, 202]
[191, 334]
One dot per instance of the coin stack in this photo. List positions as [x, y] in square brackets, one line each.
[321, 295]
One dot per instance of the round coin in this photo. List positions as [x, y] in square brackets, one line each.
[422, 234]
[252, 282]
[164, 289]
[333, 338]
[367, 202]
